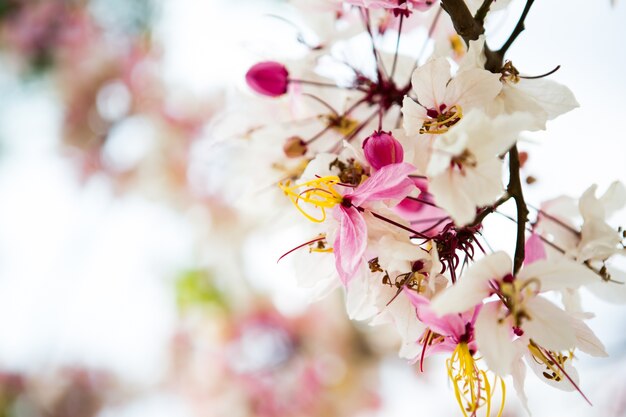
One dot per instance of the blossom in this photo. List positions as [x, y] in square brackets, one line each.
[443, 99]
[376, 293]
[542, 98]
[391, 182]
[594, 242]
[521, 321]
[454, 333]
[465, 169]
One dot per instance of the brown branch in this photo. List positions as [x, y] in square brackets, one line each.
[470, 29]
[514, 189]
[482, 11]
[489, 209]
[462, 19]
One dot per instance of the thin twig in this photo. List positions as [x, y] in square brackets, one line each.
[519, 28]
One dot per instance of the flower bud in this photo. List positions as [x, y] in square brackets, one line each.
[294, 147]
[268, 78]
[382, 149]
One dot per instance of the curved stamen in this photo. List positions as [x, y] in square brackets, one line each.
[443, 122]
[534, 77]
[318, 239]
[320, 193]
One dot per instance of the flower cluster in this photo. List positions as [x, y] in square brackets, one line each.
[398, 160]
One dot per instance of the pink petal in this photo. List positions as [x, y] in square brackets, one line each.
[350, 242]
[535, 249]
[389, 182]
[448, 325]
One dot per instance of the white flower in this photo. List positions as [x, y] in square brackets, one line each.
[465, 169]
[372, 296]
[593, 243]
[520, 310]
[441, 97]
[542, 98]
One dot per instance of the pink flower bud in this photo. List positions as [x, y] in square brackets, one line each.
[268, 78]
[382, 149]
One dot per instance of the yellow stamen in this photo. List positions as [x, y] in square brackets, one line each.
[342, 124]
[443, 122]
[320, 193]
[456, 43]
[325, 250]
[472, 388]
[553, 372]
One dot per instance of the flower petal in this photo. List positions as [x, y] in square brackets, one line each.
[548, 325]
[429, 82]
[473, 88]
[474, 285]
[389, 182]
[350, 242]
[413, 116]
[559, 274]
[494, 340]
[534, 249]
[586, 340]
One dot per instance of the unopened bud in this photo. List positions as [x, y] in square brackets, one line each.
[294, 147]
[382, 149]
[268, 78]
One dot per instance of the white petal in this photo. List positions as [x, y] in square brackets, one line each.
[563, 384]
[472, 88]
[518, 372]
[494, 340]
[586, 340]
[461, 192]
[417, 149]
[413, 116]
[614, 198]
[473, 286]
[559, 274]
[556, 99]
[548, 325]
[475, 56]
[611, 292]
[429, 82]
[361, 296]
[599, 240]
[449, 194]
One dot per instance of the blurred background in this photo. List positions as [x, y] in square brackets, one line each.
[135, 282]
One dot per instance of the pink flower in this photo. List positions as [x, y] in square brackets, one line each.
[453, 329]
[382, 149]
[391, 182]
[268, 78]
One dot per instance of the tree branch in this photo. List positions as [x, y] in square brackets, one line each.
[482, 11]
[470, 29]
[462, 19]
[514, 189]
